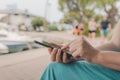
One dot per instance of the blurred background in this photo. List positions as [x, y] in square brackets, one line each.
[58, 21]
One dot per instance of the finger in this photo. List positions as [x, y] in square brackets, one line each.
[65, 46]
[58, 56]
[53, 54]
[76, 54]
[50, 50]
[73, 48]
[65, 59]
[74, 43]
[78, 40]
[83, 40]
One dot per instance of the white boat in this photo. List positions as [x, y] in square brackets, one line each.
[15, 46]
[11, 38]
[16, 37]
[3, 49]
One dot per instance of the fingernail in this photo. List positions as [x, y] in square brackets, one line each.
[64, 54]
[59, 50]
[55, 48]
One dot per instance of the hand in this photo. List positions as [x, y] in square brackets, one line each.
[80, 48]
[56, 55]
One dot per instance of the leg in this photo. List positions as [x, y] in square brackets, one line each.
[80, 70]
[94, 34]
[102, 34]
[90, 34]
[81, 31]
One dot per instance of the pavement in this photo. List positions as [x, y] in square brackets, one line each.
[29, 65]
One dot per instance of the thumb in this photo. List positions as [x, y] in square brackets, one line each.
[65, 46]
[76, 54]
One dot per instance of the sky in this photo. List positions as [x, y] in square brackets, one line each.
[37, 7]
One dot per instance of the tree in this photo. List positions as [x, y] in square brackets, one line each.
[86, 8]
[37, 22]
[109, 6]
[76, 6]
[70, 16]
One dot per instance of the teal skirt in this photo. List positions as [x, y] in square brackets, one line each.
[80, 70]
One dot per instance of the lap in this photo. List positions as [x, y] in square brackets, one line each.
[82, 70]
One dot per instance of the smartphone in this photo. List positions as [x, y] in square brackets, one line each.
[46, 44]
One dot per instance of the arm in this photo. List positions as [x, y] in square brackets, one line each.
[108, 59]
[107, 55]
[110, 46]
[109, 26]
[89, 24]
[114, 43]
[84, 50]
[116, 36]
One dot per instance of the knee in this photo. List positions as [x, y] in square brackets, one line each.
[52, 71]
[54, 64]
[49, 71]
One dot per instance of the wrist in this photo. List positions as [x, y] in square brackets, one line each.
[97, 58]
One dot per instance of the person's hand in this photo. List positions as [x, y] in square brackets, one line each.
[80, 48]
[56, 54]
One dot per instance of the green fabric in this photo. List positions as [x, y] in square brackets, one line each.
[80, 70]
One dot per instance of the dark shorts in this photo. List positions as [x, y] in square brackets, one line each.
[104, 32]
[81, 29]
[92, 31]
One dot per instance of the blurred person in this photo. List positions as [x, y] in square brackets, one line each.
[92, 28]
[105, 27]
[76, 30]
[81, 27]
[100, 63]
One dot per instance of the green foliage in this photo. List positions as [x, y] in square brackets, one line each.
[52, 27]
[37, 22]
[101, 3]
[85, 9]
[62, 3]
[76, 6]
[67, 20]
[98, 17]
[70, 16]
[112, 11]
[98, 32]
[86, 28]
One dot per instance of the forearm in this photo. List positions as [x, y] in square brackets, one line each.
[114, 43]
[107, 55]
[110, 46]
[108, 59]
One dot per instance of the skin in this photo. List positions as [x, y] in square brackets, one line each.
[81, 31]
[93, 34]
[107, 55]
